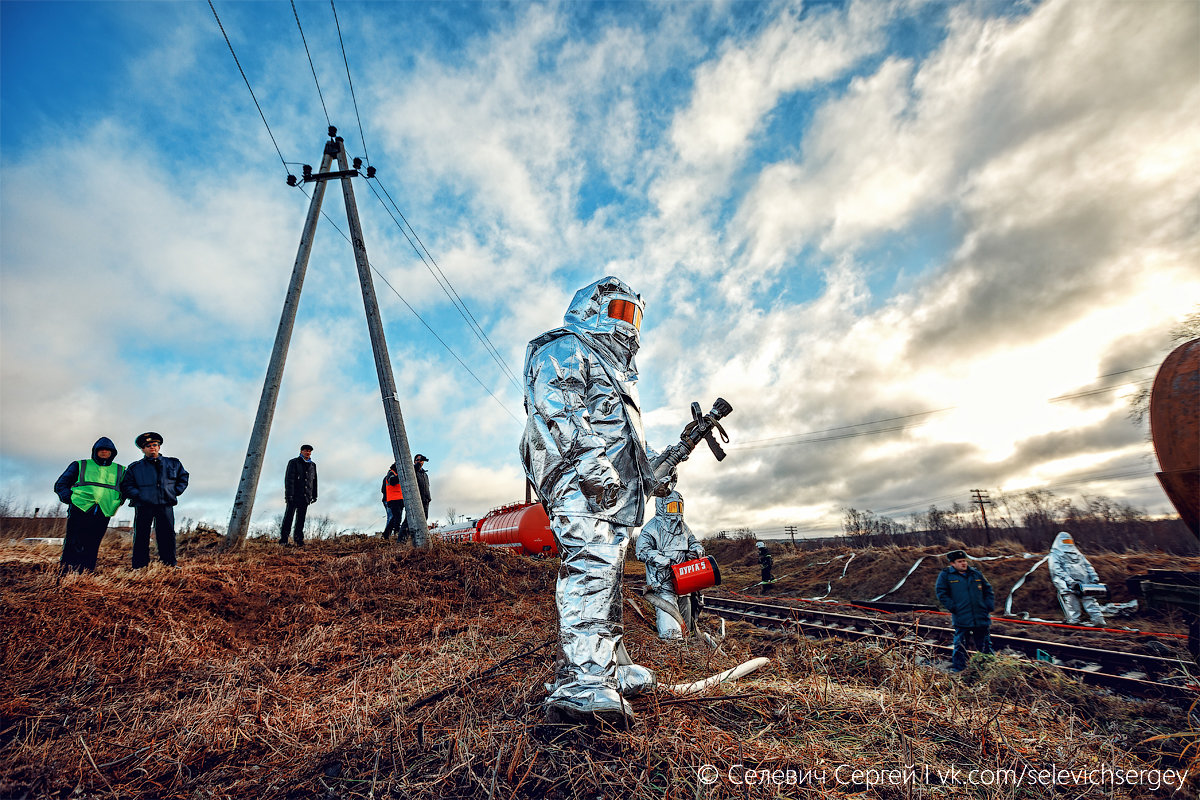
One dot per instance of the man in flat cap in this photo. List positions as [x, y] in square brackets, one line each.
[153, 486]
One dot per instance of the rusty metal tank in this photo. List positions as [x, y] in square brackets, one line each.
[524, 527]
[1175, 430]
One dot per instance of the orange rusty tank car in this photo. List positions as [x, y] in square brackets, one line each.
[1175, 430]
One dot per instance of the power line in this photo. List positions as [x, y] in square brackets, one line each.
[247, 80]
[754, 444]
[444, 283]
[1091, 392]
[488, 344]
[743, 446]
[366, 157]
[310, 63]
[441, 341]
[1123, 371]
[918, 503]
[492, 350]
[838, 437]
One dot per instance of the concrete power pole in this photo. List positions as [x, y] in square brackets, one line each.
[243, 501]
[414, 512]
[980, 497]
[243, 504]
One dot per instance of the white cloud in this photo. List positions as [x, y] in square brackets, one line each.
[1053, 148]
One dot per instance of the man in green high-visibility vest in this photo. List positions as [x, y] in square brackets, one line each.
[91, 489]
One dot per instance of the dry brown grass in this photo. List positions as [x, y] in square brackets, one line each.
[353, 669]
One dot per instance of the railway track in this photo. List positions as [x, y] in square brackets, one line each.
[1129, 673]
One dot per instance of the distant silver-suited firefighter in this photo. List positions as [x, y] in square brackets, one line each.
[1076, 580]
[665, 541]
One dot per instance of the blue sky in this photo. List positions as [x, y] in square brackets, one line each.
[838, 213]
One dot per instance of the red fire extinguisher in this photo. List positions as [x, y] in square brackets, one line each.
[699, 573]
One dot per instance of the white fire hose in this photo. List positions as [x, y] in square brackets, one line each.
[740, 671]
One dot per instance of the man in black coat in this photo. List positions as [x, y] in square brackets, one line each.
[968, 596]
[153, 486]
[419, 462]
[299, 492]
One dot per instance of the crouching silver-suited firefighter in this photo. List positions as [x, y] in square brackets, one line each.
[1071, 573]
[585, 454]
[664, 541]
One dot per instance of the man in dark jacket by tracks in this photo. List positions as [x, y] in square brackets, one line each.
[91, 488]
[152, 486]
[299, 492]
[967, 595]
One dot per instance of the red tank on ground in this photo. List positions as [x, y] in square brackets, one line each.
[523, 528]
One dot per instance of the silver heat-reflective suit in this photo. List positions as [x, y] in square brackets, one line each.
[585, 453]
[1068, 568]
[664, 541]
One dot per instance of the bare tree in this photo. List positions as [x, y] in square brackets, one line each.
[1185, 331]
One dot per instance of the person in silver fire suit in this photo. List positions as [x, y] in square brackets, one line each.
[1069, 571]
[585, 454]
[664, 541]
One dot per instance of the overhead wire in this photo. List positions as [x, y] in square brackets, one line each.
[421, 319]
[247, 80]
[1089, 392]
[1117, 477]
[444, 283]
[349, 80]
[311, 66]
[747, 444]
[775, 441]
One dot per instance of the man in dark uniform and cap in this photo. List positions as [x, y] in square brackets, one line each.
[153, 486]
[968, 596]
[91, 488]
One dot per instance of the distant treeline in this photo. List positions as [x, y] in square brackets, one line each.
[1029, 519]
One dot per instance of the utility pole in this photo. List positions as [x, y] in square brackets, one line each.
[243, 501]
[791, 529]
[414, 512]
[243, 504]
[980, 497]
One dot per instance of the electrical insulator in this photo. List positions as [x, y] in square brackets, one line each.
[332, 131]
[307, 170]
[291, 180]
[357, 163]
[370, 172]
